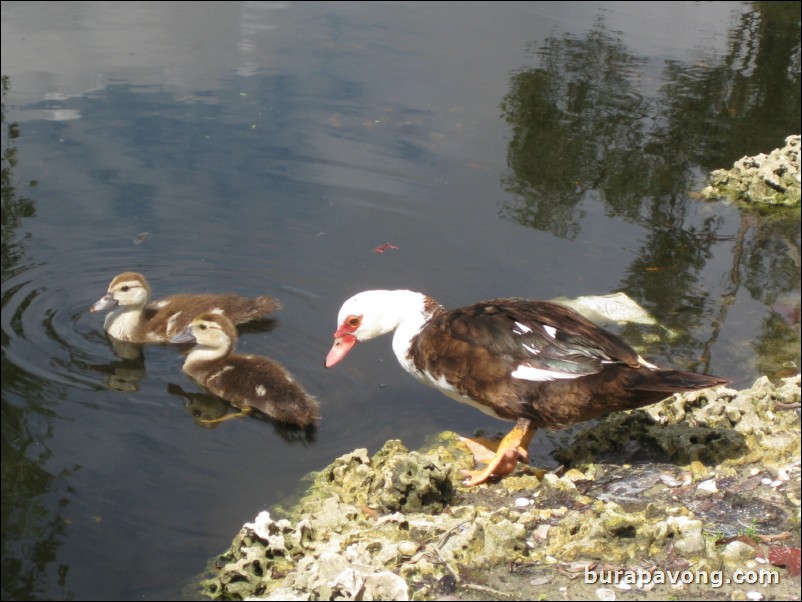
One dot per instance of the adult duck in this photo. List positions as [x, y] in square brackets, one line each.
[535, 362]
[137, 320]
[249, 382]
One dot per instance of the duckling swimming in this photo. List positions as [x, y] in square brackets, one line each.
[247, 381]
[136, 320]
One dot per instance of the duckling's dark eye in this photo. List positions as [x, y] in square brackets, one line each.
[203, 327]
[125, 289]
[354, 321]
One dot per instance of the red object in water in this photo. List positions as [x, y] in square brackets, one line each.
[384, 247]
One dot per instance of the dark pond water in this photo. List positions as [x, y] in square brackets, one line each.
[531, 149]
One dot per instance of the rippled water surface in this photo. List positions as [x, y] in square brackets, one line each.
[528, 149]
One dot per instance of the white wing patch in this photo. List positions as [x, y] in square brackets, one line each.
[160, 304]
[643, 362]
[532, 350]
[525, 372]
[261, 391]
[550, 330]
[521, 328]
[218, 310]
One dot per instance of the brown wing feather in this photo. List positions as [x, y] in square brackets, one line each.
[578, 329]
[473, 370]
[238, 309]
[476, 349]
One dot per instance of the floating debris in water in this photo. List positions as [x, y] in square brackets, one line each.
[614, 308]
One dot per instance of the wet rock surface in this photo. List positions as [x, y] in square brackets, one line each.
[687, 499]
[772, 179]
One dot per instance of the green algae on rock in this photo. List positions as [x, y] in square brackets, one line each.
[394, 479]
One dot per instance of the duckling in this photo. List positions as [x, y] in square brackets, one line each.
[247, 381]
[137, 321]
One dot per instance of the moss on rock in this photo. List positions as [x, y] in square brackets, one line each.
[400, 525]
[772, 179]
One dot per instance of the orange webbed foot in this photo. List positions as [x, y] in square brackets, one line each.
[484, 450]
[511, 449]
[502, 464]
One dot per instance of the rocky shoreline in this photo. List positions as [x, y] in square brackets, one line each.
[769, 180]
[687, 499]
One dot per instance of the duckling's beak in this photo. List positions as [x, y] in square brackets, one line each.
[185, 336]
[104, 302]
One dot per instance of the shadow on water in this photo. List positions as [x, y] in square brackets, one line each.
[585, 129]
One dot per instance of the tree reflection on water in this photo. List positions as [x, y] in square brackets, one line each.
[587, 129]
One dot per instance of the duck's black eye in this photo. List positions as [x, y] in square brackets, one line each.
[354, 321]
[203, 327]
[125, 289]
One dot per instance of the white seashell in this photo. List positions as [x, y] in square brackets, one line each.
[670, 481]
[709, 486]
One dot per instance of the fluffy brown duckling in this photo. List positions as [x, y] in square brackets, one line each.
[247, 381]
[136, 320]
[537, 363]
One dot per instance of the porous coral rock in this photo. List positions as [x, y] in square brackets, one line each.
[772, 179]
[348, 539]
